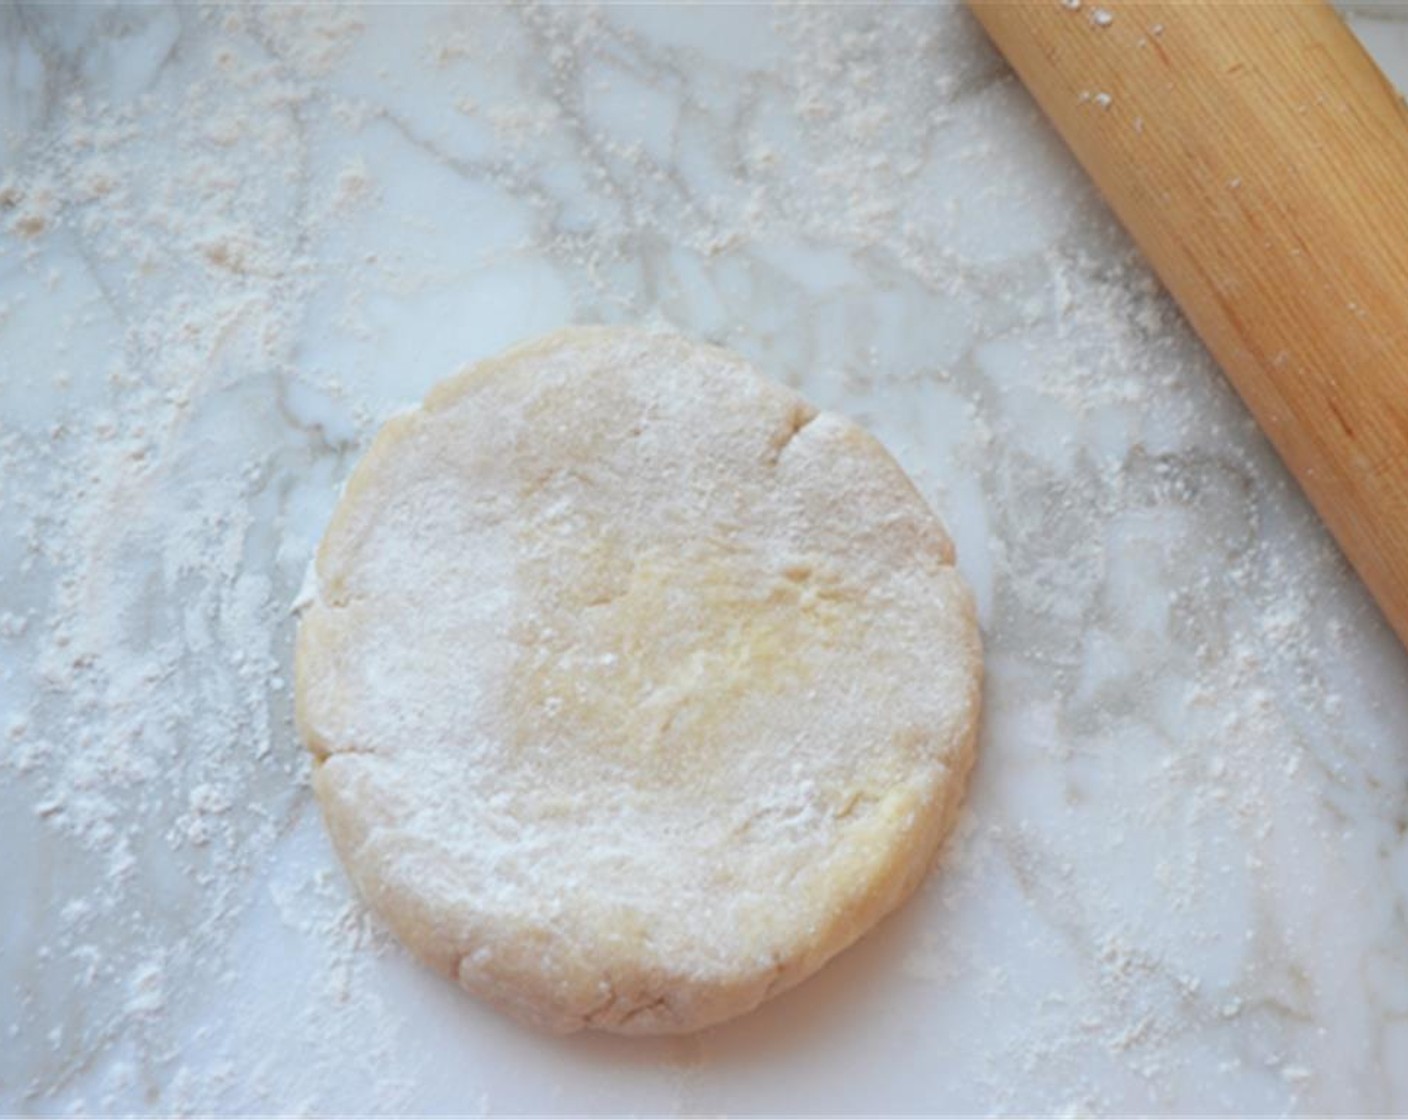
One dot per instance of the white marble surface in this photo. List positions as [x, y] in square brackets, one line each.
[231, 241]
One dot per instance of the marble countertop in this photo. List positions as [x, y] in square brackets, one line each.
[233, 240]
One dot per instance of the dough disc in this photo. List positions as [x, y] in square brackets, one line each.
[637, 688]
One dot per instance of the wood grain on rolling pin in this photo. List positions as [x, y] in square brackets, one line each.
[1260, 159]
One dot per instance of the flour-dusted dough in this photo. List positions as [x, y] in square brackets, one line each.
[637, 687]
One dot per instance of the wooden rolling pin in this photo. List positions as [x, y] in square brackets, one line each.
[1260, 160]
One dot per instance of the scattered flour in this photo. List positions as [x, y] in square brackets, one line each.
[146, 606]
[1140, 587]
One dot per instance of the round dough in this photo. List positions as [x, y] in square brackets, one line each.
[637, 688]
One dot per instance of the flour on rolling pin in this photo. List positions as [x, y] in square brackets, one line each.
[1267, 228]
[166, 510]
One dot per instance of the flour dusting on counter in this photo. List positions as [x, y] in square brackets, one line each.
[232, 241]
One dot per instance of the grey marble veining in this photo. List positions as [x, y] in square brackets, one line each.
[232, 241]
